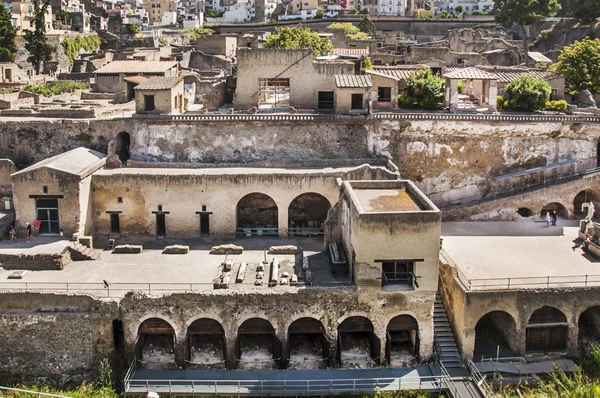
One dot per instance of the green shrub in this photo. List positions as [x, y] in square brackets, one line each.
[133, 29]
[200, 33]
[426, 88]
[591, 362]
[366, 64]
[560, 106]
[352, 32]
[500, 102]
[458, 9]
[213, 14]
[87, 43]
[406, 101]
[528, 93]
[56, 87]
[460, 86]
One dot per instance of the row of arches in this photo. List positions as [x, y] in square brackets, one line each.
[547, 331]
[306, 345]
[259, 211]
[584, 196]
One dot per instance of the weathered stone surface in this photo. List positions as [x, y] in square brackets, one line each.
[288, 249]
[176, 249]
[36, 262]
[128, 249]
[585, 99]
[87, 241]
[229, 248]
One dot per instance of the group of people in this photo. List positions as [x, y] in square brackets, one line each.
[551, 218]
[30, 231]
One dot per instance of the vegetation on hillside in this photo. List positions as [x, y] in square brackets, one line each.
[8, 49]
[56, 87]
[299, 38]
[352, 32]
[200, 33]
[582, 10]
[73, 46]
[580, 63]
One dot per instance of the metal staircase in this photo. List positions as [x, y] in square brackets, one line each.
[445, 343]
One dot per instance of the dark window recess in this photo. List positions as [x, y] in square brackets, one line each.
[161, 228]
[377, 62]
[397, 272]
[384, 94]
[547, 339]
[115, 224]
[203, 207]
[148, 102]
[159, 207]
[204, 224]
[357, 101]
[119, 199]
[326, 100]
[45, 189]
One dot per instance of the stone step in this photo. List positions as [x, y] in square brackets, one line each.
[453, 365]
[443, 334]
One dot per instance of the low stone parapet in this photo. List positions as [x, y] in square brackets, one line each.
[176, 249]
[227, 249]
[36, 262]
[128, 249]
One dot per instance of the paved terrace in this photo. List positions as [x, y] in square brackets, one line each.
[518, 255]
[154, 273]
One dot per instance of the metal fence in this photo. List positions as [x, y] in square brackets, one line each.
[31, 393]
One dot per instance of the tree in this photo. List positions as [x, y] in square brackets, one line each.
[528, 93]
[299, 38]
[458, 9]
[352, 32]
[424, 88]
[580, 63]
[366, 64]
[8, 49]
[367, 26]
[132, 29]
[200, 33]
[583, 10]
[524, 12]
[36, 41]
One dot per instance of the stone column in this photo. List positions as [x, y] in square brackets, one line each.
[333, 349]
[230, 352]
[382, 336]
[493, 96]
[283, 220]
[453, 95]
[426, 340]
[180, 351]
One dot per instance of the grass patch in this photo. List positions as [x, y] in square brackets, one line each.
[56, 87]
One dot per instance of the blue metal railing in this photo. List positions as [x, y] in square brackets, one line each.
[257, 232]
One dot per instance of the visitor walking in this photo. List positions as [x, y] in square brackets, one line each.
[13, 234]
[61, 233]
[37, 225]
[29, 233]
[548, 219]
[554, 218]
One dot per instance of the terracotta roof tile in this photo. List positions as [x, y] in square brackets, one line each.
[353, 81]
[159, 83]
[136, 67]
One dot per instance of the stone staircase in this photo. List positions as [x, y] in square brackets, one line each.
[444, 337]
[80, 252]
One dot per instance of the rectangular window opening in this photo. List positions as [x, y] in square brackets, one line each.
[45, 189]
[397, 273]
[384, 94]
[119, 199]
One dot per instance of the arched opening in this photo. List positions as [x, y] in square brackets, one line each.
[589, 329]
[402, 346]
[257, 347]
[560, 210]
[205, 345]
[585, 196]
[307, 344]
[547, 331]
[495, 335]
[307, 214]
[525, 212]
[358, 345]
[122, 146]
[257, 214]
[155, 347]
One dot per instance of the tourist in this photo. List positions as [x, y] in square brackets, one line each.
[548, 219]
[13, 234]
[37, 225]
[61, 233]
[554, 218]
[29, 233]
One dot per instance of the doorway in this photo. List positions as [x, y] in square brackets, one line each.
[47, 213]
[204, 224]
[357, 101]
[326, 100]
[161, 227]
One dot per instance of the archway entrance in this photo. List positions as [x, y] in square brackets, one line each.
[257, 214]
[257, 346]
[206, 345]
[561, 211]
[402, 346]
[155, 346]
[308, 347]
[589, 329]
[358, 345]
[525, 212]
[495, 336]
[123, 143]
[547, 331]
[585, 196]
[307, 214]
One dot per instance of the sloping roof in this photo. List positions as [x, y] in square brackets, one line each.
[539, 57]
[399, 73]
[383, 75]
[135, 79]
[470, 73]
[159, 83]
[351, 51]
[508, 74]
[79, 161]
[353, 81]
[129, 66]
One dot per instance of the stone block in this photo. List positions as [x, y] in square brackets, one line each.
[87, 241]
[289, 249]
[227, 249]
[128, 249]
[176, 249]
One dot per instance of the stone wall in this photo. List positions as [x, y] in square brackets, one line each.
[36, 262]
